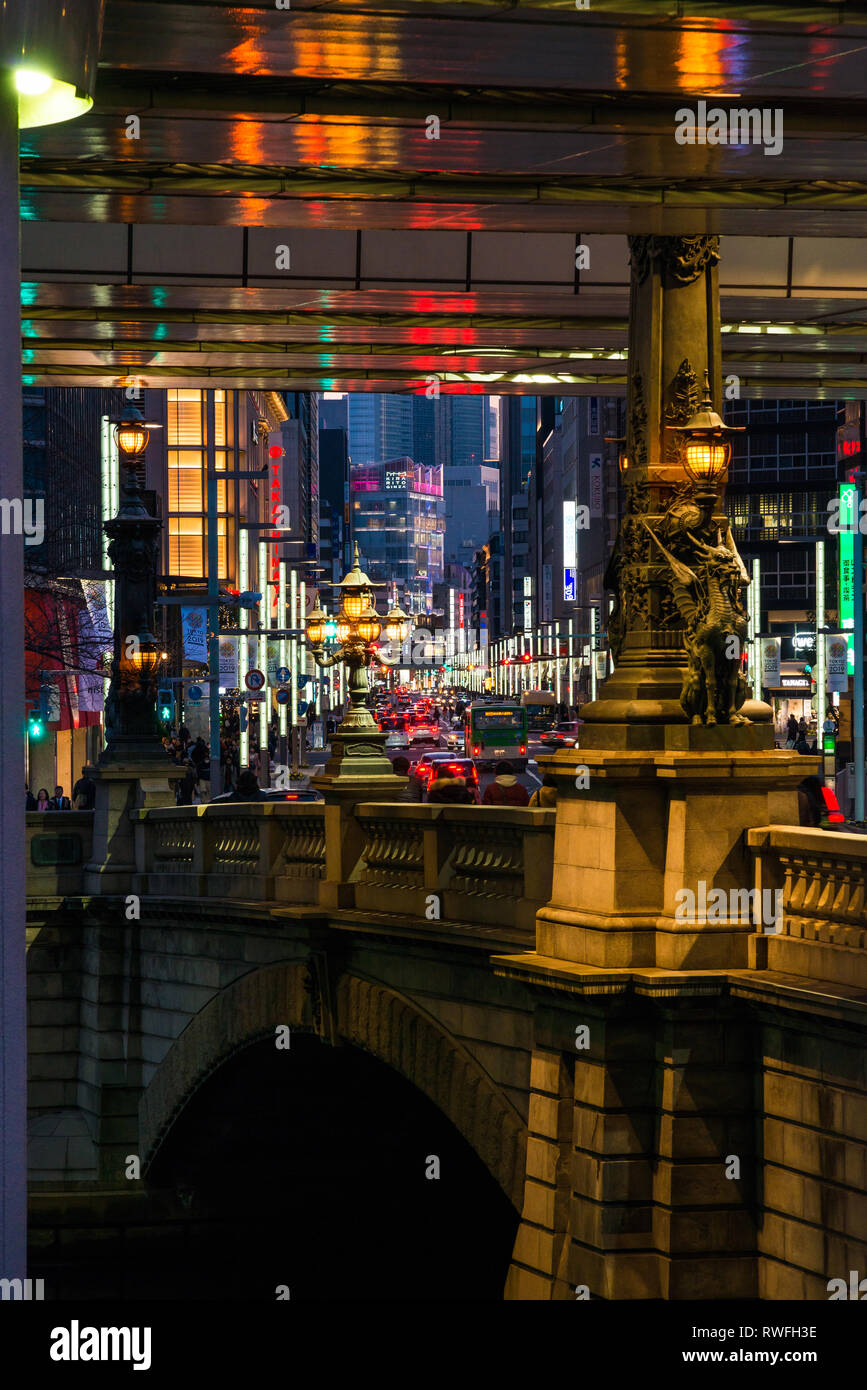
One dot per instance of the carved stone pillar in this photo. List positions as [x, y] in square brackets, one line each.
[674, 338]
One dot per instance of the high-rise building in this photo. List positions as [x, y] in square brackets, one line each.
[472, 509]
[492, 428]
[467, 429]
[380, 427]
[398, 521]
[335, 512]
[424, 431]
[783, 473]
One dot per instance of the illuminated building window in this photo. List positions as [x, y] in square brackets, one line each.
[186, 441]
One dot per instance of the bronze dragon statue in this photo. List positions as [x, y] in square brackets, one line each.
[709, 595]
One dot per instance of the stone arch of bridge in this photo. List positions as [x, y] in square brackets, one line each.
[369, 1015]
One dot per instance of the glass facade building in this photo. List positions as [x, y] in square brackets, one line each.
[398, 520]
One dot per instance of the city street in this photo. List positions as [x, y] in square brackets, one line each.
[480, 386]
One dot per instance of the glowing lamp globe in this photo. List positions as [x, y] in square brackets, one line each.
[315, 626]
[369, 626]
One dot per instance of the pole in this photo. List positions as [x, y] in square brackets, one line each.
[281, 623]
[293, 671]
[858, 638]
[302, 661]
[13, 1063]
[821, 678]
[263, 704]
[213, 597]
[244, 619]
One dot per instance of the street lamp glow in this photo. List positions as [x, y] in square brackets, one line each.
[44, 100]
[31, 83]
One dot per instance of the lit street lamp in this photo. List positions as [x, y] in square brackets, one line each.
[358, 750]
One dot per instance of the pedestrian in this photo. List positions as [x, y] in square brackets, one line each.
[449, 789]
[802, 746]
[545, 797]
[506, 790]
[84, 792]
[199, 753]
[30, 803]
[791, 732]
[248, 788]
[187, 785]
[43, 800]
[59, 802]
[802, 727]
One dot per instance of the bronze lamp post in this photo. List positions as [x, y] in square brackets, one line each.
[359, 744]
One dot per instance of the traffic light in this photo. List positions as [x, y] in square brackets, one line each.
[165, 705]
[37, 720]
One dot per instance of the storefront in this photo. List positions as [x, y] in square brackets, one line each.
[791, 697]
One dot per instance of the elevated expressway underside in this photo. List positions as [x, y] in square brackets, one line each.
[282, 218]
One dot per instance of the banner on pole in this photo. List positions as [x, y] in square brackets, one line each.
[229, 661]
[195, 626]
[836, 661]
[770, 662]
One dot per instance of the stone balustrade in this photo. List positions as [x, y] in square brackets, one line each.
[485, 865]
[821, 877]
[265, 852]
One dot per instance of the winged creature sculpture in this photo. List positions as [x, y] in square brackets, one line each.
[709, 595]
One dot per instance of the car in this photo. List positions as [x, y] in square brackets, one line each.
[454, 740]
[274, 794]
[418, 778]
[565, 735]
[458, 767]
[397, 739]
[425, 733]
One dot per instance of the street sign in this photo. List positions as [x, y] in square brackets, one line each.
[302, 681]
[283, 697]
[195, 693]
[283, 674]
[255, 679]
[325, 682]
[302, 707]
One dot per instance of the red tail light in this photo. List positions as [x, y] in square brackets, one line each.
[835, 815]
[522, 748]
[476, 751]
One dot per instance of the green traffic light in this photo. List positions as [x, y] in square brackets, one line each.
[36, 729]
[165, 712]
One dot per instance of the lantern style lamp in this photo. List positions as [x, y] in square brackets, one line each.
[707, 449]
[396, 623]
[368, 625]
[132, 432]
[315, 626]
[147, 656]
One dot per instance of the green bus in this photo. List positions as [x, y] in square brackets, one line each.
[496, 733]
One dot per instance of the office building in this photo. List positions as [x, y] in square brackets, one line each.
[398, 521]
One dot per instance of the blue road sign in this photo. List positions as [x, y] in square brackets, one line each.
[194, 692]
[283, 697]
[283, 674]
[302, 707]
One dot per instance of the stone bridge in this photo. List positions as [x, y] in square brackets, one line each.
[642, 1131]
